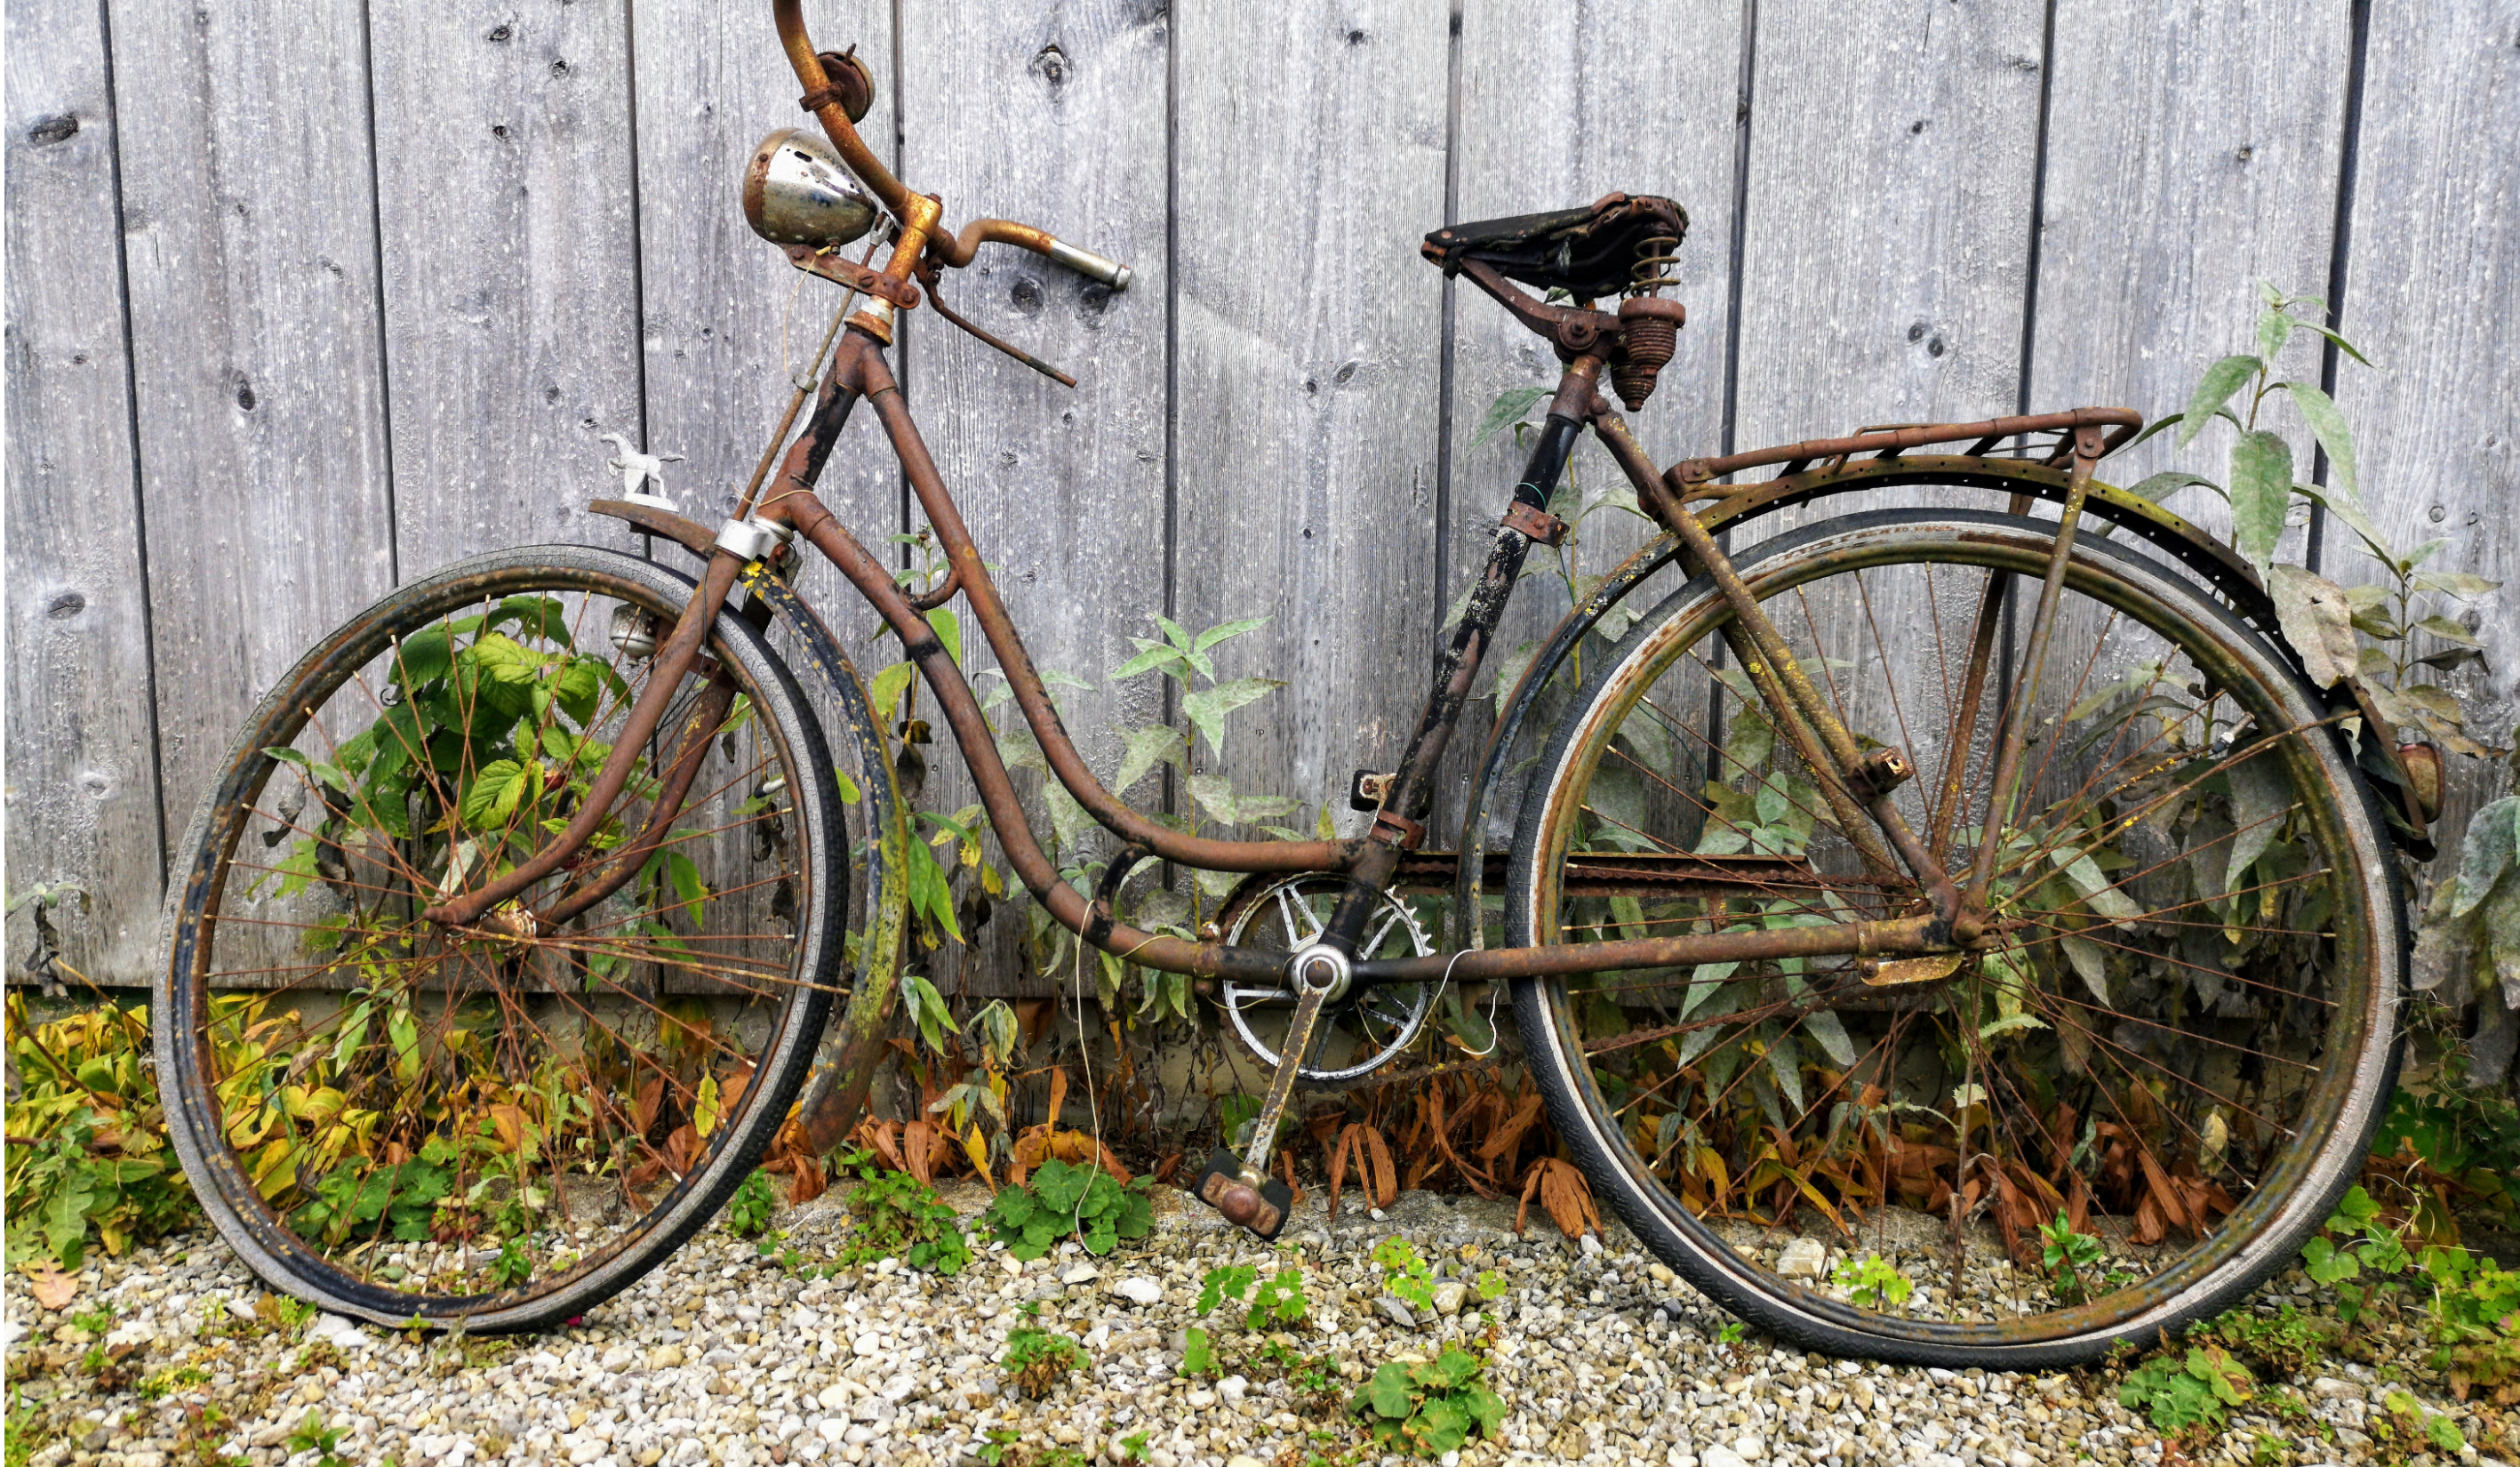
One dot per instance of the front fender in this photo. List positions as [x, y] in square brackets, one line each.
[844, 1066]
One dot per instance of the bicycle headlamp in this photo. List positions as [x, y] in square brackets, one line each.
[796, 191]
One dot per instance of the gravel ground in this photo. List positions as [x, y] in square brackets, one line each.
[725, 1357]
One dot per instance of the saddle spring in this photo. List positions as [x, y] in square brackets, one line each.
[1650, 325]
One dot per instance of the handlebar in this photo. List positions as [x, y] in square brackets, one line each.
[923, 227]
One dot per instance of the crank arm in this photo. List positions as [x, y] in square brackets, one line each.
[1240, 1188]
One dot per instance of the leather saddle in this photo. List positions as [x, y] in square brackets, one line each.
[1589, 253]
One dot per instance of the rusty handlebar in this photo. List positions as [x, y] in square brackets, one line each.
[920, 216]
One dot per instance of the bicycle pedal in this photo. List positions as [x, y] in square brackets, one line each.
[1263, 1209]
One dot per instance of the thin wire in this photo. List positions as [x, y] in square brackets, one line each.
[1495, 997]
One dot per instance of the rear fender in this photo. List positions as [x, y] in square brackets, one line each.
[1736, 505]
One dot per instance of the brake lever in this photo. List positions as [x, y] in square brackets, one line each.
[936, 298]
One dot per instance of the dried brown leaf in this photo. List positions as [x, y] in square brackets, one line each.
[51, 1287]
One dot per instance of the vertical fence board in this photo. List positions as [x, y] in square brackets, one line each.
[1063, 489]
[728, 321]
[1891, 160]
[252, 250]
[511, 287]
[82, 790]
[1555, 109]
[2433, 285]
[2187, 161]
[1306, 396]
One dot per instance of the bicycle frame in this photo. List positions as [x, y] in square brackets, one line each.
[1859, 787]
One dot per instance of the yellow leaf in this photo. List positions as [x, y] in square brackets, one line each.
[705, 1117]
[275, 1171]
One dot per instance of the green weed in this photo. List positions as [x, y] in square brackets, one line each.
[2187, 1395]
[1874, 1283]
[748, 1211]
[1429, 1407]
[898, 1215]
[1038, 1358]
[1064, 1201]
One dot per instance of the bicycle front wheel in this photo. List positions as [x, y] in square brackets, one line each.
[2119, 1116]
[503, 1126]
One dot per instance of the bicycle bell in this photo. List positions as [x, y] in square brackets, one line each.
[796, 191]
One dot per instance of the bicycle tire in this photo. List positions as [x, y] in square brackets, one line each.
[2305, 1166]
[669, 981]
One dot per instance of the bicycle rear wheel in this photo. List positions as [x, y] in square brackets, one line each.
[397, 1121]
[2126, 1111]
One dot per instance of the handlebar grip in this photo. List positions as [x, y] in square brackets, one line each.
[1087, 263]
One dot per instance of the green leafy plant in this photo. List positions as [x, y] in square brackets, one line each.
[27, 1431]
[174, 1378]
[1038, 1358]
[2463, 1136]
[1405, 1275]
[2181, 1394]
[1277, 1300]
[749, 1210]
[1490, 1286]
[513, 1266]
[899, 1216]
[1133, 1446]
[1062, 1201]
[1874, 1283]
[2287, 1345]
[1199, 1353]
[312, 1435]
[2358, 1254]
[1428, 1408]
[1191, 748]
[2065, 1254]
[86, 1159]
[2474, 1313]
[2403, 1427]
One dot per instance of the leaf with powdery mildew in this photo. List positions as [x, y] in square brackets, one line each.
[2318, 620]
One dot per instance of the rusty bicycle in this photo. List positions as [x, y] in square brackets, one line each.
[1954, 931]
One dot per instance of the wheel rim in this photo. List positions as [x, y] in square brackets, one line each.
[2231, 1160]
[1357, 1035]
[425, 1125]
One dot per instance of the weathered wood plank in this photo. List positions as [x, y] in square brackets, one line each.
[1885, 258]
[1558, 106]
[251, 252]
[2432, 287]
[1063, 489]
[512, 299]
[728, 321]
[2187, 161]
[1306, 393]
[82, 783]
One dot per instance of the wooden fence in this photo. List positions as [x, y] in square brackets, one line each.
[305, 299]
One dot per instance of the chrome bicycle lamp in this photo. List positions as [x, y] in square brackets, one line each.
[796, 191]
